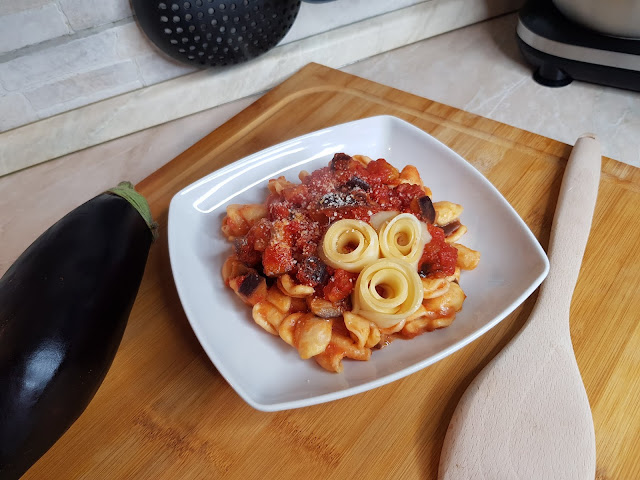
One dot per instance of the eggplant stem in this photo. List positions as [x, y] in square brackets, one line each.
[127, 191]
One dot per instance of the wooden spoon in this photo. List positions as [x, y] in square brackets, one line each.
[526, 415]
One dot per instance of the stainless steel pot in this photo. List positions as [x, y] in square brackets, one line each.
[620, 18]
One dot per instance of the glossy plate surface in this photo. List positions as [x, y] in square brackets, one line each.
[264, 370]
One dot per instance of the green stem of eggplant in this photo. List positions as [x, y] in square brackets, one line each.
[127, 191]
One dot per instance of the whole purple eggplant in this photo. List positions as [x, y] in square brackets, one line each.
[64, 305]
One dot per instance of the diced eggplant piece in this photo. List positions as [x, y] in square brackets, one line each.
[312, 271]
[427, 210]
[357, 182]
[251, 288]
[324, 308]
[340, 161]
[451, 227]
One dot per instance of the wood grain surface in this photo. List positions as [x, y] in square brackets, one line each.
[164, 412]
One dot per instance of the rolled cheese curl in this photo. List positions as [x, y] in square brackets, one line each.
[404, 237]
[350, 245]
[387, 291]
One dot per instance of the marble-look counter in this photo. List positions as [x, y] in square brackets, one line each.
[476, 68]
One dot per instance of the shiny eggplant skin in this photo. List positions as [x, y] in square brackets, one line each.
[64, 305]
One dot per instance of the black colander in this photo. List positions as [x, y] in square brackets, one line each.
[215, 32]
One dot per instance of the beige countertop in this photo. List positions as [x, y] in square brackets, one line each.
[476, 68]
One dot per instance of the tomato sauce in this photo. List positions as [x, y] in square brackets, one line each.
[287, 240]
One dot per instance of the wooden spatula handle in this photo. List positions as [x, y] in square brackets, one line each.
[576, 203]
[574, 213]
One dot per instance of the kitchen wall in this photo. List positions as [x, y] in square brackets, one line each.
[76, 73]
[56, 55]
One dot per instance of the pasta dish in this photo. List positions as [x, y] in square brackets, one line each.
[349, 259]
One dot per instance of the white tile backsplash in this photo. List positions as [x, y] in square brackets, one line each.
[155, 68]
[52, 64]
[86, 14]
[28, 27]
[314, 18]
[84, 88]
[57, 55]
[8, 7]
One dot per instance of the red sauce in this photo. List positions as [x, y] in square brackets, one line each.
[340, 285]
[438, 258]
[287, 240]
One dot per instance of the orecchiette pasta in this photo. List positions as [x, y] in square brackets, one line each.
[446, 212]
[349, 259]
[289, 287]
[240, 218]
[467, 259]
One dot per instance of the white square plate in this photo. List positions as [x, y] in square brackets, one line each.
[265, 371]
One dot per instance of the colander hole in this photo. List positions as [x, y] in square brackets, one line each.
[191, 57]
[198, 3]
[175, 7]
[185, 40]
[192, 28]
[232, 6]
[222, 29]
[187, 5]
[179, 30]
[168, 31]
[200, 15]
[225, 18]
[173, 41]
[164, 19]
[229, 41]
[225, 50]
[176, 18]
[211, 11]
[201, 54]
[232, 30]
[203, 27]
[210, 57]
[192, 48]
[196, 38]
[219, 39]
[245, 2]
[162, 6]
[214, 22]
[243, 28]
[188, 17]
[236, 19]
[181, 50]
[222, 6]
[253, 24]
[209, 36]
[240, 38]
[205, 45]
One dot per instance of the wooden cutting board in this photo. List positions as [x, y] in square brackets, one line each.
[164, 412]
